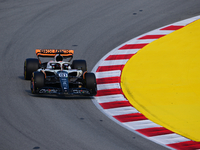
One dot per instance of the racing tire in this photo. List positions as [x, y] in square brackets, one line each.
[90, 82]
[79, 64]
[37, 81]
[30, 65]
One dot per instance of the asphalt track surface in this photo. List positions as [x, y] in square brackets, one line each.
[92, 29]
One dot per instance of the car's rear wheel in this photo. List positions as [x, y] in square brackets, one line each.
[79, 64]
[30, 65]
[90, 82]
[37, 81]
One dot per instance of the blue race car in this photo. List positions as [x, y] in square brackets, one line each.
[58, 76]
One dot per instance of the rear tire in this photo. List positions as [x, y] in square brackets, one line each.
[30, 65]
[90, 82]
[37, 81]
[79, 64]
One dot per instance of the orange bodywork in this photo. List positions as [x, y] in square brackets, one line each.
[54, 52]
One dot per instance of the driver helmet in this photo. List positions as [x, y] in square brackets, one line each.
[58, 57]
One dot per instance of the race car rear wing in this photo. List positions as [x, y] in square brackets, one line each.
[54, 52]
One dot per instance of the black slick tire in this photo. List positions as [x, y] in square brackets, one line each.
[30, 65]
[79, 64]
[37, 81]
[90, 82]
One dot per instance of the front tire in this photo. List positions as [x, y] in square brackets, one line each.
[90, 82]
[37, 81]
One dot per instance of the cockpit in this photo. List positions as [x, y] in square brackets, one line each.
[54, 65]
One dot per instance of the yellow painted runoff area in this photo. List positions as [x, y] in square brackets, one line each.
[162, 81]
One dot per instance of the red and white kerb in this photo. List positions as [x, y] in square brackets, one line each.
[112, 102]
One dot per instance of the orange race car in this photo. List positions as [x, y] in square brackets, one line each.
[59, 76]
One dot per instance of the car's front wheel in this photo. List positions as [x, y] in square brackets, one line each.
[90, 81]
[37, 81]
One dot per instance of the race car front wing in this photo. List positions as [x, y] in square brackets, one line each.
[71, 91]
